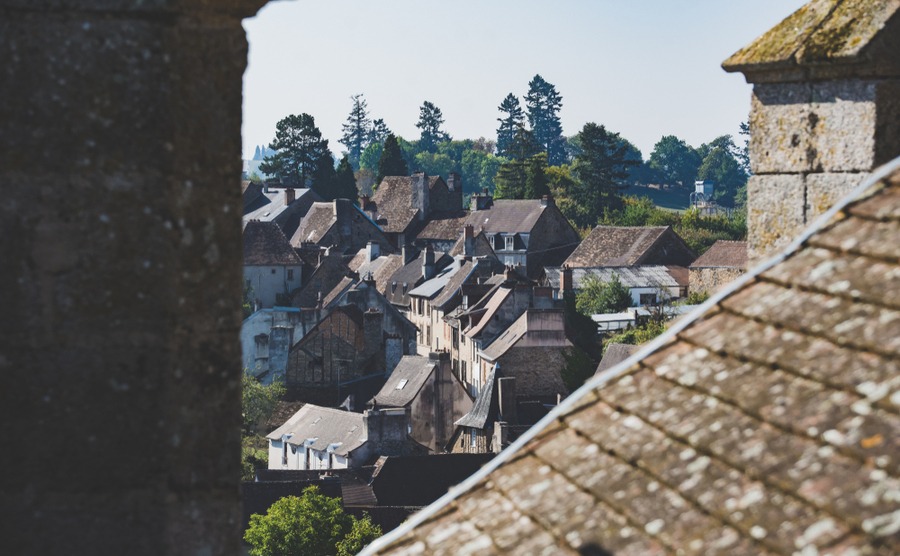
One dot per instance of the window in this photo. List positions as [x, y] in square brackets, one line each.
[290, 274]
[510, 243]
[648, 299]
[473, 438]
[262, 346]
[274, 270]
[401, 384]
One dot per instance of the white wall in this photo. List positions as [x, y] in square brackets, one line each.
[269, 281]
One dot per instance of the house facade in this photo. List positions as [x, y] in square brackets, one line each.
[272, 270]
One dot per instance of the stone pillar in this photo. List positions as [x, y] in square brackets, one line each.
[824, 113]
[120, 279]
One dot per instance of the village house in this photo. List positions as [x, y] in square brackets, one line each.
[649, 284]
[266, 338]
[622, 246]
[414, 272]
[433, 395]
[721, 264]
[272, 270]
[339, 225]
[401, 205]
[323, 438]
[285, 207]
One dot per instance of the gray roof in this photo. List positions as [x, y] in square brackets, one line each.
[405, 381]
[327, 426]
[511, 216]
[630, 276]
[477, 417]
[767, 421]
[631, 246]
[535, 328]
[266, 245]
[723, 254]
[431, 288]
[454, 284]
[615, 354]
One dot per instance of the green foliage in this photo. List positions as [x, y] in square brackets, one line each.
[361, 534]
[597, 297]
[323, 177]
[299, 148]
[434, 164]
[578, 368]
[721, 166]
[378, 132]
[309, 525]
[391, 162]
[600, 171]
[247, 301]
[581, 330]
[536, 181]
[344, 183]
[509, 124]
[258, 401]
[254, 455]
[675, 160]
[357, 131]
[543, 104]
[430, 121]
[696, 298]
[638, 335]
[370, 156]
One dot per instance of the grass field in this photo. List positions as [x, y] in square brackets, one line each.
[672, 199]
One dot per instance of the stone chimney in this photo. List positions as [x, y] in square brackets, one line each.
[406, 253]
[428, 263]
[289, 195]
[454, 185]
[334, 207]
[547, 200]
[823, 115]
[507, 398]
[373, 334]
[469, 240]
[387, 429]
[364, 202]
[481, 201]
[373, 250]
[565, 280]
[420, 194]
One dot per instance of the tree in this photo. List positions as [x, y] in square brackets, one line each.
[344, 182]
[312, 524]
[509, 124]
[578, 368]
[322, 181]
[299, 148]
[258, 401]
[510, 179]
[597, 297]
[357, 131]
[430, 121]
[544, 103]
[721, 166]
[391, 162]
[536, 182]
[600, 171]
[675, 160]
[379, 132]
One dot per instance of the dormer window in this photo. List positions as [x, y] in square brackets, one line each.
[510, 243]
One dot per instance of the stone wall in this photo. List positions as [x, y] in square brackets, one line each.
[711, 279]
[121, 281]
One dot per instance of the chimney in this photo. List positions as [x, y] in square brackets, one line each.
[373, 334]
[334, 207]
[454, 185]
[507, 399]
[387, 429]
[406, 253]
[547, 200]
[565, 280]
[481, 201]
[364, 202]
[428, 263]
[289, 195]
[373, 250]
[420, 194]
[469, 240]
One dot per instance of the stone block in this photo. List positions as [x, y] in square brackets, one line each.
[824, 190]
[775, 208]
[819, 127]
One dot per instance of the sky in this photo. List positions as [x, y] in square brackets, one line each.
[642, 68]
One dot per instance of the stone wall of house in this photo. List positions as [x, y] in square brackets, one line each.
[710, 280]
[120, 142]
[537, 371]
[551, 241]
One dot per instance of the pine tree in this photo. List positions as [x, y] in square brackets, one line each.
[344, 183]
[379, 132]
[601, 170]
[298, 147]
[512, 174]
[322, 181]
[430, 121]
[391, 162]
[536, 183]
[509, 124]
[357, 130]
[544, 103]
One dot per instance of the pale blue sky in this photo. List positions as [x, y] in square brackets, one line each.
[643, 68]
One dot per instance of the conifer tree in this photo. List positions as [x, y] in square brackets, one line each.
[430, 121]
[391, 162]
[344, 182]
[509, 124]
[536, 182]
[601, 170]
[544, 103]
[299, 148]
[357, 130]
[379, 132]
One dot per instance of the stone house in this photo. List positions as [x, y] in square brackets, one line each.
[527, 233]
[648, 284]
[267, 337]
[341, 226]
[631, 246]
[420, 305]
[414, 272]
[433, 395]
[285, 207]
[272, 270]
[784, 449]
[401, 205]
[323, 438]
[722, 263]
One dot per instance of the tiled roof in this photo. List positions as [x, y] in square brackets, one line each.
[615, 354]
[265, 245]
[482, 246]
[405, 381]
[315, 224]
[511, 216]
[629, 246]
[723, 254]
[454, 284]
[629, 276]
[491, 304]
[768, 421]
[327, 426]
[540, 328]
[446, 226]
[393, 203]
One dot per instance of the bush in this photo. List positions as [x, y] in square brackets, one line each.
[598, 297]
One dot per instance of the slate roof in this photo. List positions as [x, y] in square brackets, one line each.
[411, 372]
[510, 216]
[540, 328]
[629, 246]
[392, 202]
[328, 426]
[482, 246]
[491, 304]
[430, 288]
[270, 205]
[834, 31]
[317, 222]
[768, 421]
[629, 276]
[445, 226]
[454, 284]
[265, 245]
[477, 417]
[723, 254]
[615, 354]
[411, 275]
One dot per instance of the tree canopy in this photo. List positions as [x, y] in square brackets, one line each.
[357, 131]
[258, 401]
[299, 151]
[543, 104]
[597, 297]
[429, 124]
[391, 162]
[675, 160]
[309, 525]
[344, 182]
[509, 124]
[600, 171]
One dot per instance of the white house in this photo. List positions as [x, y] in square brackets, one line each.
[271, 266]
